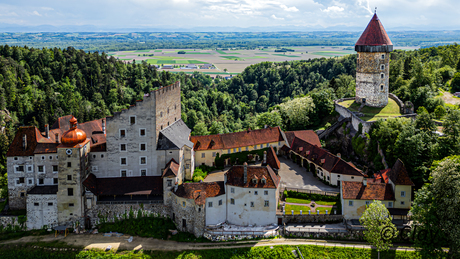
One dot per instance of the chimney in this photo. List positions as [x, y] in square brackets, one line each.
[365, 182]
[245, 176]
[47, 131]
[57, 137]
[265, 158]
[103, 125]
[24, 142]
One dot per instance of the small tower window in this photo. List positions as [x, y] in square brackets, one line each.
[381, 87]
[382, 75]
[383, 56]
[382, 67]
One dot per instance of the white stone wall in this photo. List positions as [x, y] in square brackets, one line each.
[98, 164]
[41, 210]
[217, 213]
[241, 213]
[47, 161]
[349, 178]
[15, 200]
[369, 81]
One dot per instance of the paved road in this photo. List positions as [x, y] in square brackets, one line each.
[295, 176]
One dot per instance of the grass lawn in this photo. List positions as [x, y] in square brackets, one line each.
[221, 52]
[325, 202]
[289, 56]
[294, 200]
[372, 113]
[143, 50]
[158, 50]
[200, 53]
[230, 57]
[305, 209]
[174, 61]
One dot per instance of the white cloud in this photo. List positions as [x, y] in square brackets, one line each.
[47, 8]
[289, 9]
[276, 18]
[36, 13]
[333, 9]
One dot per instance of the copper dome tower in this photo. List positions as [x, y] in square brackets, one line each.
[73, 136]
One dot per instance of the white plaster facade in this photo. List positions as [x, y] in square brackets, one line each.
[41, 210]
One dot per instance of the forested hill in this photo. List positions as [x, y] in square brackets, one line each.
[39, 85]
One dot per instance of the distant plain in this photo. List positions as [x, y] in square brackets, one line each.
[234, 60]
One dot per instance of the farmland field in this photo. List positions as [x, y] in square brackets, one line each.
[233, 61]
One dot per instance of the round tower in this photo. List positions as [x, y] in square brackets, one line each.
[373, 65]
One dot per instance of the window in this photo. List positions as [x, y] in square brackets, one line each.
[30, 169]
[94, 156]
[368, 202]
[338, 176]
[31, 157]
[229, 151]
[41, 181]
[187, 166]
[123, 161]
[328, 178]
[20, 180]
[55, 180]
[203, 155]
[161, 114]
[94, 168]
[142, 147]
[19, 168]
[30, 181]
[232, 190]
[169, 182]
[390, 204]
[350, 203]
[69, 164]
[239, 149]
[232, 201]
[122, 133]
[255, 146]
[209, 204]
[71, 205]
[141, 132]
[234, 150]
[43, 157]
[123, 147]
[402, 203]
[161, 126]
[36, 204]
[69, 177]
[183, 204]
[16, 158]
[383, 56]
[143, 160]
[266, 204]
[143, 172]
[57, 157]
[247, 148]
[50, 204]
[254, 181]
[55, 168]
[381, 87]
[352, 177]
[382, 67]
[41, 169]
[256, 193]
[382, 75]
[265, 192]
[123, 173]
[69, 191]
[102, 156]
[220, 202]
[132, 120]
[213, 154]
[403, 194]
[252, 204]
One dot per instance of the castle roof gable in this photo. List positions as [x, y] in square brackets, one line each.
[374, 34]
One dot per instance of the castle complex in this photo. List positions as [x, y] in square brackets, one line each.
[143, 155]
[373, 66]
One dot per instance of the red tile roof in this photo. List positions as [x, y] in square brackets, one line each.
[172, 168]
[307, 135]
[237, 139]
[200, 191]
[374, 34]
[397, 174]
[323, 158]
[372, 191]
[32, 137]
[235, 177]
[272, 159]
[142, 185]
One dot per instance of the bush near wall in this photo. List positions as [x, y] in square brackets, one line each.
[239, 157]
[315, 197]
[201, 172]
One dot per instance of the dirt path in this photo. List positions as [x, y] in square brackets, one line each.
[89, 241]
[449, 98]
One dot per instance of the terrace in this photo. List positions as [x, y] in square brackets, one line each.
[372, 113]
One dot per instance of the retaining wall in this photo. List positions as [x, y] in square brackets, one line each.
[398, 101]
[9, 220]
[110, 211]
[322, 218]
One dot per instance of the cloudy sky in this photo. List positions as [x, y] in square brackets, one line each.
[295, 14]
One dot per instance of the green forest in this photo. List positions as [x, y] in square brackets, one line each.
[39, 85]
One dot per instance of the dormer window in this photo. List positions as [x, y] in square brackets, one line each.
[254, 181]
[212, 143]
[264, 181]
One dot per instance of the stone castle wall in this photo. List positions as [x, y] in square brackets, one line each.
[355, 120]
[193, 214]
[167, 105]
[369, 81]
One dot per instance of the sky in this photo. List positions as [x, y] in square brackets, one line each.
[303, 15]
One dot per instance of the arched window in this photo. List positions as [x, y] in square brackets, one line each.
[381, 87]
[382, 75]
[383, 56]
[382, 67]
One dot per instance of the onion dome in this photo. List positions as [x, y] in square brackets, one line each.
[374, 38]
[73, 136]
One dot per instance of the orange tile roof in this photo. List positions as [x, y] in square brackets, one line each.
[235, 177]
[272, 159]
[237, 139]
[307, 135]
[372, 191]
[172, 168]
[200, 191]
[399, 174]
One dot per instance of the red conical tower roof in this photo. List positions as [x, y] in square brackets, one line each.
[374, 34]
